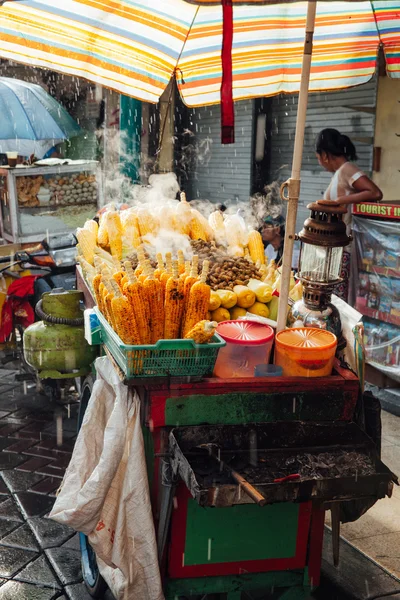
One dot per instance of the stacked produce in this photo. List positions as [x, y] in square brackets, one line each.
[236, 277]
[144, 305]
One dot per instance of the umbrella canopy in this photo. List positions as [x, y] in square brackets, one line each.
[31, 120]
[135, 47]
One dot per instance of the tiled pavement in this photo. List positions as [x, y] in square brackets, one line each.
[39, 559]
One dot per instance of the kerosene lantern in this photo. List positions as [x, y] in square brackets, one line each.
[323, 239]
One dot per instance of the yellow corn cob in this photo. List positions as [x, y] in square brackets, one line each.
[114, 229]
[130, 227]
[154, 294]
[148, 223]
[173, 305]
[136, 294]
[102, 234]
[93, 227]
[118, 277]
[256, 247]
[160, 266]
[217, 224]
[199, 299]
[147, 270]
[181, 262]
[86, 267]
[199, 227]
[168, 270]
[183, 216]
[87, 243]
[123, 314]
[203, 332]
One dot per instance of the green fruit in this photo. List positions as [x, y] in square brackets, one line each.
[273, 308]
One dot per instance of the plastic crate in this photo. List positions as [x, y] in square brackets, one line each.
[176, 358]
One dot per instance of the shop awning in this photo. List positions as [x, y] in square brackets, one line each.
[136, 46]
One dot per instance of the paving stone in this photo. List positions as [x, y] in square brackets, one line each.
[66, 563]
[39, 571]
[35, 427]
[13, 559]
[61, 463]
[22, 538]
[33, 505]
[78, 592]
[5, 442]
[41, 452]
[20, 435]
[73, 543]
[47, 486]
[68, 425]
[7, 526]
[11, 420]
[20, 481]
[10, 428]
[3, 487]
[20, 446]
[15, 590]
[9, 460]
[9, 511]
[51, 471]
[34, 464]
[49, 533]
[4, 413]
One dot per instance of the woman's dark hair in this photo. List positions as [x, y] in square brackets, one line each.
[335, 143]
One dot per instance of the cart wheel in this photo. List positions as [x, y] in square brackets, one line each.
[94, 582]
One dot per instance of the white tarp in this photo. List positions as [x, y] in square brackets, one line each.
[105, 492]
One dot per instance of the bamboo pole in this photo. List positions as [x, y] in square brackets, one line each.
[293, 184]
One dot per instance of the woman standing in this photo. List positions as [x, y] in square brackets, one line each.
[336, 153]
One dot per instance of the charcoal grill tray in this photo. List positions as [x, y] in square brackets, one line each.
[211, 486]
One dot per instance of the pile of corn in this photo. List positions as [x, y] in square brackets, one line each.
[146, 305]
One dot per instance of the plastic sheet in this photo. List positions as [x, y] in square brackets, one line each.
[375, 290]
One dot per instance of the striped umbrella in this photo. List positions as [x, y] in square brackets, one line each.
[135, 46]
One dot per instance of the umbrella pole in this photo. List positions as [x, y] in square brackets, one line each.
[293, 184]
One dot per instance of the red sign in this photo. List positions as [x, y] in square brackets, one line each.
[381, 211]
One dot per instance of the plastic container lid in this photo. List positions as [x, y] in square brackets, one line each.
[306, 338]
[245, 333]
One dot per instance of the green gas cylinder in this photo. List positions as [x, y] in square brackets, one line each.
[56, 346]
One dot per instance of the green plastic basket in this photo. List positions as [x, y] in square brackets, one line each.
[176, 358]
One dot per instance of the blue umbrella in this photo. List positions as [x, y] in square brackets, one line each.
[31, 120]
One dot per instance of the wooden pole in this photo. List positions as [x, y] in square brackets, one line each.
[293, 184]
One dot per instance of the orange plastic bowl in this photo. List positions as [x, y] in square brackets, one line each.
[305, 352]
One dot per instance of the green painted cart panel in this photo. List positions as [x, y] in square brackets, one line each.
[212, 534]
[242, 407]
[266, 582]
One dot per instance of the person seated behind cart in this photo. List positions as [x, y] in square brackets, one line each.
[273, 236]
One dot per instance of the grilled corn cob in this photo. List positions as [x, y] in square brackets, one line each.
[256, 247]
[154, 295]
[168, 270]
[173, 304]
[186, 272]
[108, 296]
[203, 332]
[136, 294]
[199, 299]
[160, 266]
[93, 227]
[189, 282]
[181, 262]
[123, 314]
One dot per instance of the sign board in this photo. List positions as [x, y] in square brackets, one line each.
[381, 211]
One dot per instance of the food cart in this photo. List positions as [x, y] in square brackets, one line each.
[40, 200]
[241, 470]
